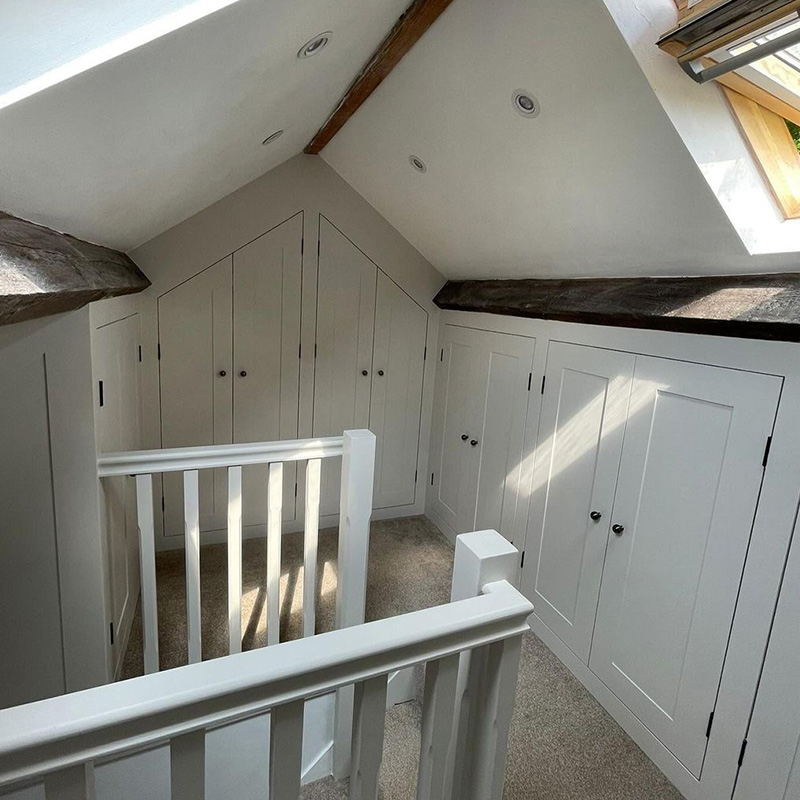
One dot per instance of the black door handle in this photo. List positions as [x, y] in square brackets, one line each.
[364, 373]
[380, 372]
[243, 373]
[222, 373]
[618, 529]
[595, 515]
[464, 437]
[473, 442]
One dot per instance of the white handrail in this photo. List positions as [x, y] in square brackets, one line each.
[178, 459]
[73, 729]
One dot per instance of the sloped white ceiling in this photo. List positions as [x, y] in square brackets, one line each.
[599, 184]
[124, 151]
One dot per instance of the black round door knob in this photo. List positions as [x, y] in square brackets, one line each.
[243, 373]
[618, 529]
[380, 372]
[595, 515]
[222, 373]
[464, 437]
[473, 442]
[364, 373]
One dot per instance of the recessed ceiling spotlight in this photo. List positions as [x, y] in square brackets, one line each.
[313, 46]
[417, 163]
[526, 104]
[272, 137]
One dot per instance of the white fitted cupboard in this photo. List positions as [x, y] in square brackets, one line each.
[640, 468]
[230, 359]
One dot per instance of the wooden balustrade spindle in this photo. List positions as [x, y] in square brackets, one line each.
[369, 717]
[286, 750]
[235, 559]
[147, 561]
[310, 544]
[191, 512]
[187, 754]
[274, 520]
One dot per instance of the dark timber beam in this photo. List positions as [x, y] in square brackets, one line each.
[419, 16]
[44, 272]
[747, 306]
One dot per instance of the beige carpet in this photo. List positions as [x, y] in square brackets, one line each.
[563, 746]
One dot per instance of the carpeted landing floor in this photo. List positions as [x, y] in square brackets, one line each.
[563, 745]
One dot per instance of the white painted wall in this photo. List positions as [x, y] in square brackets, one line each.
[305, 183]
[52, 560]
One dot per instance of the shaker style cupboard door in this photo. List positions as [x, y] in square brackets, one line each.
[496, 441]
[582, 424]
[771, 767]
[195, 369]
[687, 491]
[454, 415]
[265, 370]
[398, 363]
[345, 319]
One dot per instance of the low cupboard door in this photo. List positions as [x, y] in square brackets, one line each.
[454, 413]
[689, 481]
[497, 433]
[267, 276]
[195, 341]
[345, 318]
[398, 364]
[581, 429]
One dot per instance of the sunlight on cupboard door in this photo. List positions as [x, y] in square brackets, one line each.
[495, 460]
[267, 275]
[397, 370]
[584, 409]
[687, 491]
[195, 368]
[345, 319]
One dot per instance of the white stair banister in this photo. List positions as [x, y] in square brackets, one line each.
[355, 510]
[274, 521]
[147, 561]
[310, 546]
[235, 560]
[286, 750]
[191, 511]
[368, 729]
[67, 784]
[187, 754]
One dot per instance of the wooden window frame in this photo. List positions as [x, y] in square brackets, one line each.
[772, 145]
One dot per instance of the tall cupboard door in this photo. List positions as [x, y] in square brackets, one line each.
[454, 413]
[267, 276]
[115, 361]
[398, 363]
[494, 461]
[689, 480]
[346, 285]
[195, 340]
[581, 429]
[771, 766]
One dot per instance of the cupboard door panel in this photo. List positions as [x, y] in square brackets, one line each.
[195, 335]
[454, 404]
[345, 318]
[580, 441]
[267, 276]
[771, 768]
[688, 485]
[397, 370]
[502, 400]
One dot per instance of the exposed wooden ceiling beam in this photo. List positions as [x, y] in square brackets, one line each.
[419, 16]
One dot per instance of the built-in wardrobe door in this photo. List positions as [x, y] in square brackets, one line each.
[497, 433]
[581, 429]
[771, 767]
[454, 412]
[267, 276]
[397, 369]
[687, 491]
[345, 322]
[115, 361]
[194, 321]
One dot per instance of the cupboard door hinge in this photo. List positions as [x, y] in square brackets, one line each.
[416, 475]
[159, 351]
[140, 354]
[295, 488]
[522, 560]
[530, 378]
[315, 351]
[300, 351]
[100, 393]
[302, 245]
[741, 753]
[544, 380]
[425, 354]
[431, 479]
[710, 723]
[766, 452]
[111, 632]
[163, 507]
[441, 355]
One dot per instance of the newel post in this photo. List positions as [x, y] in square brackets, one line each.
[487, 678]
[355, 510]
